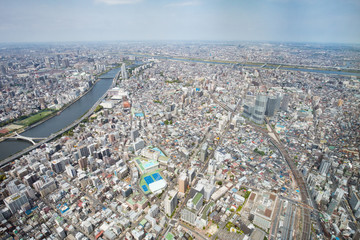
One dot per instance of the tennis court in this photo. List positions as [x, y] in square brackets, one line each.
[157, 176]
[148, 180]
[144, 188]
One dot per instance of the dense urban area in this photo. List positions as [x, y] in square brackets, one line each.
[191, 141]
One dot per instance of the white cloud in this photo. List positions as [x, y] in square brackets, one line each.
[118, 2]
[184, 4]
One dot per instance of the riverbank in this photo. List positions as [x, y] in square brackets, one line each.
[281, 66]
[102, 85]
[54, 114]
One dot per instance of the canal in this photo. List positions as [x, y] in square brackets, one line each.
[65, 118]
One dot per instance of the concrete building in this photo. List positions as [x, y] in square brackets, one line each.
[16, 201]
[354, 201]
[183, 183]
[324, 167]
[188, 215]
[170, 202]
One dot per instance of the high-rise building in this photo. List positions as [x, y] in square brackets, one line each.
[333, 204]
[272, 105]
[170, 202]
[47, 62]
[188, 215]
[70, 170]
[191, 174]
[83, 151]
[324, 167]
[3, 69]
[57, 61]
[140, 144]
[58, 165]
[12, 187]
[134, 135]
[183, 182]
[196, 202]
[285, 103]
[83, 163]
[256, 111]
[123, 71]
[66, 63]
[259, 109]
[16, 201]
[203, 152]
[354, 201]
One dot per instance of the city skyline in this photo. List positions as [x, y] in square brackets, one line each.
[116, 20]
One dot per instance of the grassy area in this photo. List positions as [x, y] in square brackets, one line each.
[35, 118]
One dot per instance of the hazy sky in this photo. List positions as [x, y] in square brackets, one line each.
[258, 20]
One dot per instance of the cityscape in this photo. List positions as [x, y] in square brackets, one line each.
[143, 138]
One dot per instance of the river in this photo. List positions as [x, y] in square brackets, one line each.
[65, 118]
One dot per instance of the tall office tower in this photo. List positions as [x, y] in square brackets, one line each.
[83, 163]
[191, 174]
[123, 71]
[170, 202]
[333, 204]
[203, 152]
[57, 61]
[259, 109]
[248, 110]
[91, 148]
[354, 201]
[47, 62]
[16, 201]
[324, 167]
[58, 165]
[83, 151]
[134, 135]
[285, 103]
[272, 105]
[71, 172]
[3, 69]
[12, 187]
[66, 62]
[183, 182]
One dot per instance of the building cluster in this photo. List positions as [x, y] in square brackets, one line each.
[185, 150]
[37, 78]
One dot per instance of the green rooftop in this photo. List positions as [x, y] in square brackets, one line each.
[169, 236]
[143, 222]
[197, 198]
[206, 210]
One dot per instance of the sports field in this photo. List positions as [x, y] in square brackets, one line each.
[149, 178]
[35, 118]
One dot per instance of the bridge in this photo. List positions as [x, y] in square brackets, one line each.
[54, 135]
[29, 139]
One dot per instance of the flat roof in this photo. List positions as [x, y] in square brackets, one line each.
[197, 198]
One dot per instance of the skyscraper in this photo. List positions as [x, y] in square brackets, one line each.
[83, 163]
[47, 62]
[170, 202]
[285, 102]
[272, 105]
[259, 109]
[324, 167]
[203, 152]
[183, 183]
